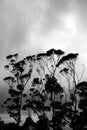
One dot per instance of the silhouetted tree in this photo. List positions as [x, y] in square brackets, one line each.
[74, 111]
[17, 83]
[46, 93]
[48, 67]
[46, 84]
[36, 100]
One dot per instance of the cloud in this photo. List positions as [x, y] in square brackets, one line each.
[53, 13]
[23, 22]
[17, 19]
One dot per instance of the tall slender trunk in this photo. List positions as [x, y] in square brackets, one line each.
[75, 104]
[52, 107]
[53, 110]
[20, 107]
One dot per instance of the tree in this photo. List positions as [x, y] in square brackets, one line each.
[75, 110]
[69, 69]
[46, 93]
[47, 86]
[48, 68]
[36, 100]
[17, 83]
[42, 88]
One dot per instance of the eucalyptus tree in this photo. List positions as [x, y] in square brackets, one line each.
[51, 63]
[18, 79]
[45, 88]
[36, 99]
[47, 82]
[70, 71]
[47, 63]
[71, 110]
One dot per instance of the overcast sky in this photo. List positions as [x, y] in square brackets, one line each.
[42, 24]
[37, 25]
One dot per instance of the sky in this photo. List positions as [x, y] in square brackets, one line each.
[32, 26]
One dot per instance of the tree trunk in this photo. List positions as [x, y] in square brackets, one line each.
[20, 107]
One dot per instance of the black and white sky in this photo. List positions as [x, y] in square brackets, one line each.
[32, 26]
[42, 24]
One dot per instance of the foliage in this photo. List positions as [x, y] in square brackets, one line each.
[46, 93]
[17, 83]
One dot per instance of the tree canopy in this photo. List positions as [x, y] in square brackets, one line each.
[46, 93]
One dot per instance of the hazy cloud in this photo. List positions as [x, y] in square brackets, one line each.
[24, 21]
[17, 18]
